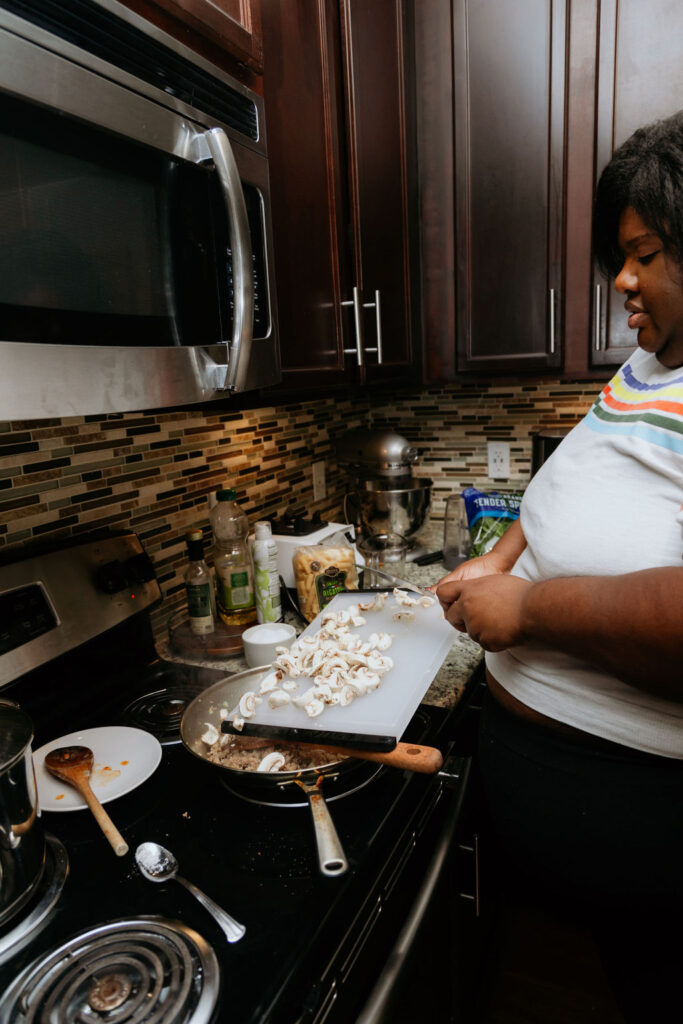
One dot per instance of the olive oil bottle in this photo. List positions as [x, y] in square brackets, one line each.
[199, 587]
[232, 561]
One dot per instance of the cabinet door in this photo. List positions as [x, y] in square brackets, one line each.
[235, 25]
[337, 93]
[230, 27]
[640, 79]
[303, 95]
[381, 145]
[509, 139]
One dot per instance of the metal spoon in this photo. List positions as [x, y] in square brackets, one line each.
[158, 864]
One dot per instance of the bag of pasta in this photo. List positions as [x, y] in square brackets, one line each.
[323, 570]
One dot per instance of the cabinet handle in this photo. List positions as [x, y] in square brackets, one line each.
[358, 321]
[377, 306]
[552, 321]
[597, 338]
[242, 328]
[474, 849]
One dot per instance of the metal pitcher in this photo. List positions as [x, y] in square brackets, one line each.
[22, 841]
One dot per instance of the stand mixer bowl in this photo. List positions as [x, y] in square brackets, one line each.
[383, 506]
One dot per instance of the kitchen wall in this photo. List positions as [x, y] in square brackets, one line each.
[152, 472]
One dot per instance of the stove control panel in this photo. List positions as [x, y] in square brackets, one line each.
[25, 613]
[54, 602]
[113, 577]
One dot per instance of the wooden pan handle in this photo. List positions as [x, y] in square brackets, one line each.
[412, 756]
[116, 840]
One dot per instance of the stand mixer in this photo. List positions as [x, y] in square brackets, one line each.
[384, 497]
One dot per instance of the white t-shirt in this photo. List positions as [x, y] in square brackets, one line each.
[607, 502]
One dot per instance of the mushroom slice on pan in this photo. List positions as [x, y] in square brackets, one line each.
[271, 762]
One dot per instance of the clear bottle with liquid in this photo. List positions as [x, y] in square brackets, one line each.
[266, 575]
[199, 588]
[232, 561]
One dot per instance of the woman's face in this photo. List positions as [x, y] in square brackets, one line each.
[653, 285]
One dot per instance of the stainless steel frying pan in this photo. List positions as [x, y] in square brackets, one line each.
[339, 776]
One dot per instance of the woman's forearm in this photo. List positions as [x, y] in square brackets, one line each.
[510, 546]
[630, 625]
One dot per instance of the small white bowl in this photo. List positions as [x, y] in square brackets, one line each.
[260, 642]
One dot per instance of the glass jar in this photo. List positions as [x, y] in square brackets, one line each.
[381, 551]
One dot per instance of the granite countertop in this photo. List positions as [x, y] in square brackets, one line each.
[458, 667]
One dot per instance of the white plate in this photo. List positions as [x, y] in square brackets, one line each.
[124, 758]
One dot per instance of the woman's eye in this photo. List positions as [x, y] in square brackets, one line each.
[648, 257]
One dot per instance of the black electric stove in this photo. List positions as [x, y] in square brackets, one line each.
[109, 945]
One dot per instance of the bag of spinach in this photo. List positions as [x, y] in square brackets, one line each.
[488, 516]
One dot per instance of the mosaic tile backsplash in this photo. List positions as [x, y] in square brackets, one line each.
[153, 472]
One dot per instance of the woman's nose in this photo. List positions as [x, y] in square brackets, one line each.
[627, 278]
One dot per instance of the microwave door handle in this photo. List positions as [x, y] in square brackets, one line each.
[243, 281]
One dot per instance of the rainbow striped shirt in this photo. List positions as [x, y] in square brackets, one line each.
[652, 411]
[607, 502]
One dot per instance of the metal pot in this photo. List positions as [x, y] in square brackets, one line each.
[22, 841]
[338, 777]
[383, 506]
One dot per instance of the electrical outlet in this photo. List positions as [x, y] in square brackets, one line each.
[499, 460]
[319, 488]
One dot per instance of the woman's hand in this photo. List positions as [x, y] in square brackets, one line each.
[484, 565]
[490, 608]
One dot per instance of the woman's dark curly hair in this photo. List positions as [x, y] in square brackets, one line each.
[646, 173]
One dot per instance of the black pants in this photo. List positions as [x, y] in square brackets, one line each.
[595, 831]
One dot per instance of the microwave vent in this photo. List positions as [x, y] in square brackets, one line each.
[103, 34]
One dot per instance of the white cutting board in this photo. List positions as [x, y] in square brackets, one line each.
[418, 651]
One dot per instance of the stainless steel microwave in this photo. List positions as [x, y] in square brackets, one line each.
[135, 240]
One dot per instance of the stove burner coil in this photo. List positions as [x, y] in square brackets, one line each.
[23, 928]
[140, 971]
[109, 992]
[161, 712]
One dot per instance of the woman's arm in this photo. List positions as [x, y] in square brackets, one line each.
[499, 559]
[629, 625]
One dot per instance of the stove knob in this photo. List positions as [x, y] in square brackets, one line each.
[111, 577]
[139, 568]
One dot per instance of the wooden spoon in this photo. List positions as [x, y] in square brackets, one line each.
[73, 765]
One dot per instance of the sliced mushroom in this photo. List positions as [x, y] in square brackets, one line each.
[271, 762]
[211, 735]
[278, 698]
[248, 704]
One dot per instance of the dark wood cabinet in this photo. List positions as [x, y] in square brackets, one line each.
[380, 118]
[539, 98]
[231, 27]
[640, 79]
[338, 90]
[509, 74]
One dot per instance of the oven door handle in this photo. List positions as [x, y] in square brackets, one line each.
[243, 278]
[376, 1007]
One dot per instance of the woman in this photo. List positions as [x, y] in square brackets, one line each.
[579, 607]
